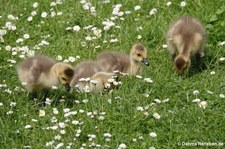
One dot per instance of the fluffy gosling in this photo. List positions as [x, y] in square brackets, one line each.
[119, 61]
[185, 38]
[39, 73]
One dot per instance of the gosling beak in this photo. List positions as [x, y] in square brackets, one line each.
[145, 61]
[67, 86]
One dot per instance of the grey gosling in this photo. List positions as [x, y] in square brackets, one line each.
[185, 38]
[39, 73]
[122, 62]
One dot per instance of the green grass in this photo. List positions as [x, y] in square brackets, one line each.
[181, 120]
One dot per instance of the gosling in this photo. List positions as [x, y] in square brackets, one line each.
[186, 38]
[40, 73]
[83, 73]
[122, 62]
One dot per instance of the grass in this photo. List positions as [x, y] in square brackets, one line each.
[181, 120]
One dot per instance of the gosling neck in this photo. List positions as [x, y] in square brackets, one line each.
[134, 67]
[185, 50]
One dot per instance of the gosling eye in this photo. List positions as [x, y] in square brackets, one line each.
[138, 55]
[64, 79]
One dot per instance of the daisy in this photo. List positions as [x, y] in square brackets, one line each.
[41, 113]
[44, 14]
[27, 126]
[59, 57]
[169, 3]
[30, 18]
[195, 92]
[153, 134]
[137, 7]
[156, 115]
[76, 28]
[183, 4]
[26, 36]
[35, 4]
[222, 96]
[71, 59]
[203, 104]
[222, 59]
[153, 11]
[33, 13]
[122, 146]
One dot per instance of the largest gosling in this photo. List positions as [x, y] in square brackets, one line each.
[41, 73]
[119, 61]
[185, 38]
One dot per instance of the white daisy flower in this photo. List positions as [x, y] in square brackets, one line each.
[222, 96]
[53, 13]
[34, 120]
[127, 12]
[44, 14]
[59, 57]
[157, 101]
[139, 77]
[149, 80]
[41, 113]
[66, 110]
[54, 87]
[222, 59]
[53, 4]
[212, 72]
[9, 112]
[72, 59]
[114, 40]
[139, 37]
[164, 46]
[30, 18]
[183, 4]
[11, 17]
[35, 4]
[12, 104]
[156, 115]
[196, 100]
[210, 92]
[195, 92]
[1, 104]
[20, 40]
[75, 122]
[50, 143]
[27, 126]
[59, 13]
[169, 3]
[26, 36]
[140, 109]
[54, 127]
[137, 7]
[59, 145]
[165, 100]
[203, 104]
[33, 13]
[153, 134]
[76, 28]
[62, 132]
[222, 43]
[122, 146]
[153, 11]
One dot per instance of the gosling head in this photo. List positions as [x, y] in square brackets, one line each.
[139, 54]
[64, 73]
[182, 64]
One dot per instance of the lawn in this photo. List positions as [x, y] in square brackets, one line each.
[140, 114]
